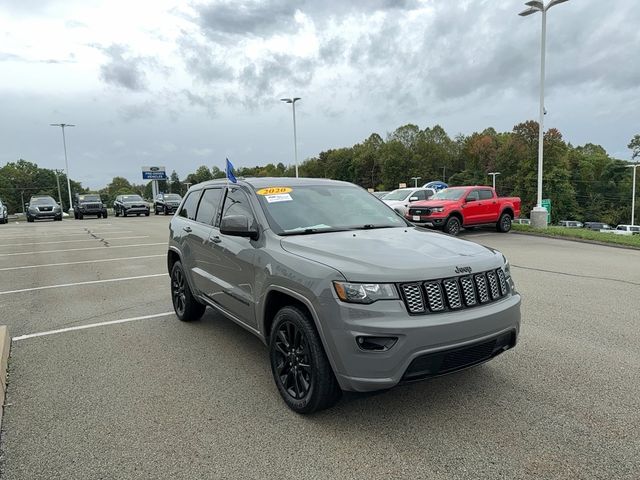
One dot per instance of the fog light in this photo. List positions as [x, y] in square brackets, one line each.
[376, 344]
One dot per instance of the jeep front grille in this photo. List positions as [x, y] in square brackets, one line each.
[455, 293]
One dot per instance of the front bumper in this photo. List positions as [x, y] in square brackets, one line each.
[168, 208]
[418, 337]
[43, 215]
[135, 209]
[427, 221]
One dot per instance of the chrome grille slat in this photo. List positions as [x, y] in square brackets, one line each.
[453, 293]
[413, 297]
[493, 285]
[503, 281]
[434, 296]
[468, 291]
[481, 286]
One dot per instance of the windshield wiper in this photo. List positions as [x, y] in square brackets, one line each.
[309, 231]
[370, 226]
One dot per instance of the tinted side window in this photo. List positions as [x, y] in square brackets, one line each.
[421, 194]
[237, 203]
[209, 205]
[190, 205]
[473, 196]
[486, 194]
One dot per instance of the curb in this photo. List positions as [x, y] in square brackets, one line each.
[578, 240]
[5, 346]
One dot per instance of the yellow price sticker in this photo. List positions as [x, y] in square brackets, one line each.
[273, 190]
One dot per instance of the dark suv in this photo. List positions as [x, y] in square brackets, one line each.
[166, 203]
[346, 294]
[88, 204]
[130, 205]
[43, 207]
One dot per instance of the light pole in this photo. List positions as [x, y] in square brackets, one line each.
[494, 174]
[58, 183]
[66, 162]
[415, 180]
[633, 193]
[539, 213]
[293, 101]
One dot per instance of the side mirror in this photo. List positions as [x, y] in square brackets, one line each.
[413, 199]
[238, 226]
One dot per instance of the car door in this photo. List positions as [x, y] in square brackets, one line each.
[189, 234]
[472, 208]
[234, 271]
[488, 206]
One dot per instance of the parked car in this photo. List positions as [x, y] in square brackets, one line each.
[131, 204]
[401, 198]
[570, 224]
[88, 204]
[456, 207]
[436, 185]
[166, 203]
[598, 226]
[42, 207]
[4, 214]
[346, 295]
[380, 195]
[627, 230]
[521, 221]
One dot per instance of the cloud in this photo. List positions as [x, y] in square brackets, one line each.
[125, 70]
[139, 111]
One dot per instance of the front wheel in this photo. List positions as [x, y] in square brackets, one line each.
[299, 364]
[187, 308]
[452, 227]
[166, 211]
[504, 223]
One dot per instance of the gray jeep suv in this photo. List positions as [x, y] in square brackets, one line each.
[346, 294]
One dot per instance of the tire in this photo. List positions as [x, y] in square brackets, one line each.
[80, 216]
[75, 215]
[452, 226]
[166, 211]
[148, 213]
[105, 215]
[124, 213]
[57, 219]
[300, 367]
[185, 305]
[116, 212]
[504, 223]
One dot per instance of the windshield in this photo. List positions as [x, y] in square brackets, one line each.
[89, 198]
[449, 194]
[42, 201]
[172, 196]
[400, 194]
[131, 198]
[318, 208]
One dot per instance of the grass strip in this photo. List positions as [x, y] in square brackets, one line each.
[582, 234]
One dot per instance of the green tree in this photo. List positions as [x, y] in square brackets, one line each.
[634, 145]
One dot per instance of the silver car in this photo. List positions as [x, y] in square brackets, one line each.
[346, 294]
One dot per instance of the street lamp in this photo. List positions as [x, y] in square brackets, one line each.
[66, 162]
[415, 179]
[539, 213]
[494, 174]
[633, 193]
[293, 101]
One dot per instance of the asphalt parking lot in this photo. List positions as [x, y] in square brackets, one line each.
[151, 397]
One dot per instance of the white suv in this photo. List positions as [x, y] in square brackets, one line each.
[400, 199]
[627, 230]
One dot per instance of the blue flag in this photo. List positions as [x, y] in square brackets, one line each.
[230, 175]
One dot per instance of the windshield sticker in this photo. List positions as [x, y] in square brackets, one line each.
[283, 197]
[274, 191]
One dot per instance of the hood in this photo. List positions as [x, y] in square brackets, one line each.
[432, 203]
[395, 203]
[392, 254]
[137, 202]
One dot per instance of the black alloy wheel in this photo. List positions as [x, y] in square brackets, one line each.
[452, 227]
[124, 212]
[504, 224]
[166, 210]
[293, 362]
[300, 367]
[187, 308]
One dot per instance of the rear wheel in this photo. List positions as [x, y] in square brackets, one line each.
[299, 364]
[147, 213]
[80, 216]
[452, 226]
[104, 215]
[504, 223]
[187, 308]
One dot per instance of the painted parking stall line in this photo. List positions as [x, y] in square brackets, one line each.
[90, 282]
[84, 233]
[73, 241]
[91, 325]
[82, 249]
[102, 260]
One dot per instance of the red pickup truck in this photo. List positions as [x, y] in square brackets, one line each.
[457, 207]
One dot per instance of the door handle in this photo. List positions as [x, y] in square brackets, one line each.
[215, 239]
[186, 229]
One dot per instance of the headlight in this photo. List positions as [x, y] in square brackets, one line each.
[507, 267]
[56, 208]
[437, 210]
[365, 292]
[104, 205]
[33, 209]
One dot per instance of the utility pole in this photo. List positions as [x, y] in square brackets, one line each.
[494, 174]
[293, 101]
[415, 180]
[66, 162]
[58, 182]
[633, 193]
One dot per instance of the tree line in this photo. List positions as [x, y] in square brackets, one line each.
[582, 182]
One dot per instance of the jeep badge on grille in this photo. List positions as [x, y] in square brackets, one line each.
[463, 269]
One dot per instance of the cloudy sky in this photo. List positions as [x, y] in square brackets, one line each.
[183, 83]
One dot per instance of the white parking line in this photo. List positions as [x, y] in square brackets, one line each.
[77, 263]
[91, 325]
[90, 282]
[113, 232]
[81, 249]
[71, 241]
